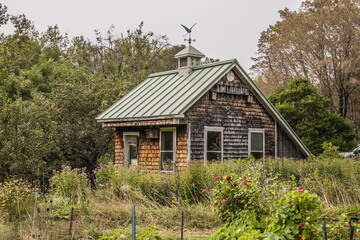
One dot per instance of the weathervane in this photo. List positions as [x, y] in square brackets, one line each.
[188, 33]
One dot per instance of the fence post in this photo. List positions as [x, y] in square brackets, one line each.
[133, 224]
[71, 221]
[182, 224]
[325, 232]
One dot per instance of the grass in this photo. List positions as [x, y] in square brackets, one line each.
[159, 199]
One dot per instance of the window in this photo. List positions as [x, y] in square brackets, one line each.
[257, 143]
[213, 144]
[167, 149]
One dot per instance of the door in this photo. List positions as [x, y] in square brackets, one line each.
[131, 150]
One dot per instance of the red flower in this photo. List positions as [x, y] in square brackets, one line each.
[347, 226]
[203, 191]
[235, 184]
[223, 201]
[249, 181]
[301, 224]
[245, 182]
[215, 203]
[249, 204]
[245, 177]
[228, 177]
[217, 177]
[300, 191]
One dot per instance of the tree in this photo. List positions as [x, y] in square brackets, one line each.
[320, 42]
[308, 113]
[51, 90]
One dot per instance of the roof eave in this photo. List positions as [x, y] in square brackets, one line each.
[140, 118]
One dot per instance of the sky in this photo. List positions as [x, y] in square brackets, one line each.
[224, 29]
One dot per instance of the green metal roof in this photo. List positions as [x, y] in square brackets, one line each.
[189, 51]
[166, 94]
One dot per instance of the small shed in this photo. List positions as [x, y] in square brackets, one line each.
[198, 112]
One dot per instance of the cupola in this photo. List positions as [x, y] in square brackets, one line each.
[188, 58]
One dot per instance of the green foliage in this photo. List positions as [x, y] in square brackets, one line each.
[149, 233]
[308, 113]
[330, 151]
[235, 195]
[70, 184]
[16, 198]
[292, 216]
[341, 229]
[52, 89]
[117, 234]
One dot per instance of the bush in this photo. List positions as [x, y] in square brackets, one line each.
[16, 197]
[237, 201]
[235, 195]
[71, 184]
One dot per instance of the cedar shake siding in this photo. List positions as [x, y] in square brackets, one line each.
[149, 148]
[236, 116]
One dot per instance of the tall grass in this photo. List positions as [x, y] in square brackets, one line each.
[160, 198]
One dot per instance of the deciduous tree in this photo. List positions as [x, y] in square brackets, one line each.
[321, 41]
[308, 113]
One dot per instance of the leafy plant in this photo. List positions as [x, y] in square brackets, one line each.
[235, 195]
[72, 184]
[16, 197]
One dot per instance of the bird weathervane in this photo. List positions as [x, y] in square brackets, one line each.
[188, 33]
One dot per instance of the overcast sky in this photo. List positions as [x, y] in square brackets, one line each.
[224, 29]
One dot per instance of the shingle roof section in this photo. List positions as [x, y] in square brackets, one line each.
[167, 93]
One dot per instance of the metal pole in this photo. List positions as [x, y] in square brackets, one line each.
[133, 224]
[182, 225]
[325, 232]
[233, 208]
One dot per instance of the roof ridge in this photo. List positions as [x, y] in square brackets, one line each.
[194, 68]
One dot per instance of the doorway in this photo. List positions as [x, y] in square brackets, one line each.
[131, 149]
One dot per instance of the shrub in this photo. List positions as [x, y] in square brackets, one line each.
[71, 184]
[293, 216]
[15, 198]
[235, 194]
[237, 202]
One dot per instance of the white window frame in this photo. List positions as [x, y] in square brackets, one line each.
[256, 130]
[168, 129]
[213, 129]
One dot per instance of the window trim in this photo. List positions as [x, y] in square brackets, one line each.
[168, 129]
[213, 129]
[256, 130]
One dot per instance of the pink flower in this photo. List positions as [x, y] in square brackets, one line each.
[347, 226]
[217, 177]
[300, 191]
[223, 201]
[228, 177]
[203, 191]
[245, 182]
[301, 224]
